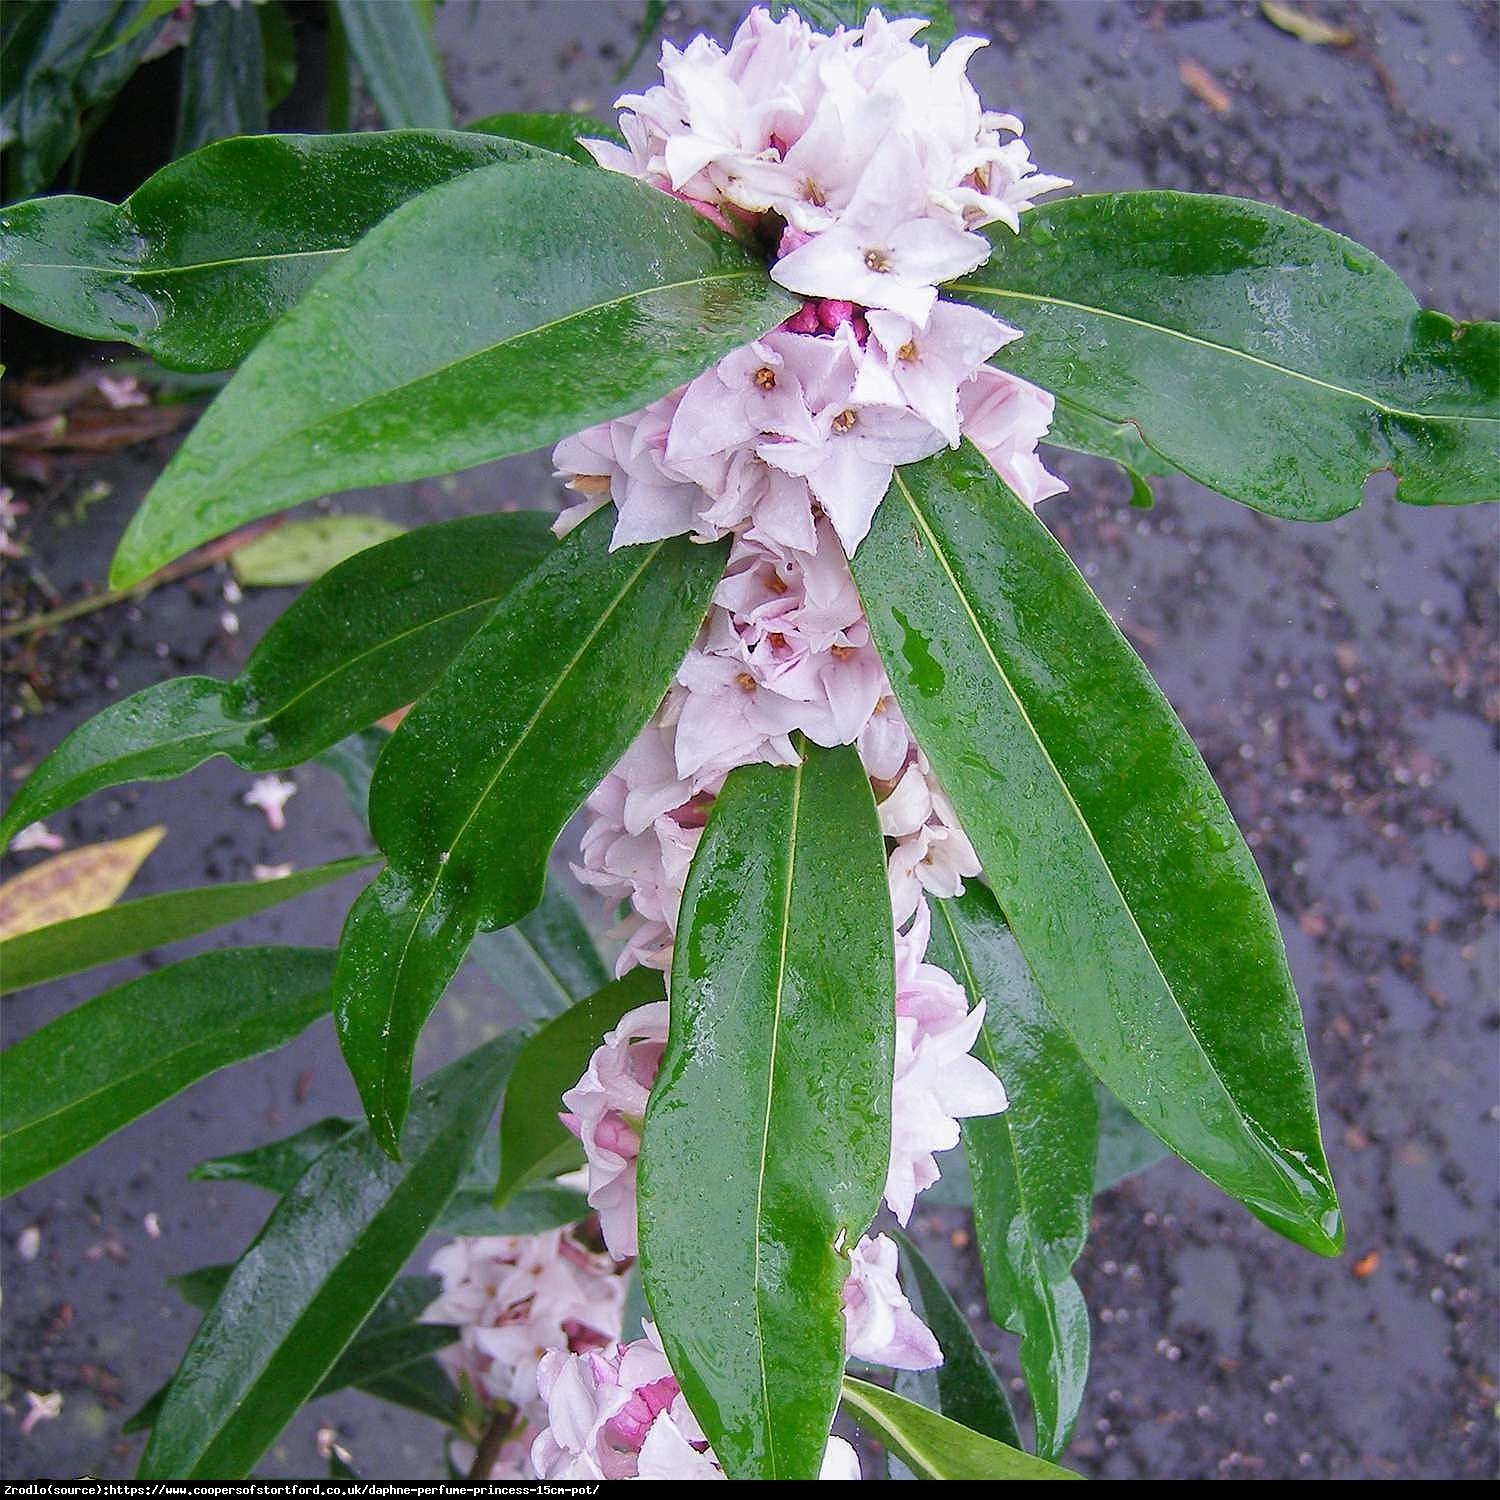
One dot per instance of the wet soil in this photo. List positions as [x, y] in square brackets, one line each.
[1343, 681]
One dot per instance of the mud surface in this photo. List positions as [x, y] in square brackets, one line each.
[1342, 681]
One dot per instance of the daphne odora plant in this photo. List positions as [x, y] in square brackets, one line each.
[906, 848]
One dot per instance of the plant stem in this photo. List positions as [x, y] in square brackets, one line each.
[500, 1427]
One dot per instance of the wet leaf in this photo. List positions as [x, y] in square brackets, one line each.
[208, 252]
[1032, 1166]
[1271, 360]
[934, 1447]
[1109, 849]
[368, 637]
[1082, 432]
[223, 88]
[326, 1257]
[394, 53]
[78, 1079]
[467, 805]
[70, 947]
[304, 550]
[767, 1138]
[559, 133]
[465, 326]
[72, 885]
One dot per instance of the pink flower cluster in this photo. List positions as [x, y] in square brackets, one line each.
[514, 1298]
[618, 1413]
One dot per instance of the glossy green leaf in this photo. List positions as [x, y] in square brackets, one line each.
[1112, 855]
[278, 44]
[1032, 1167]
[223, 88]
[367, 638]
[828, 15]
[559, 133]
[277, 1165]
[303, 551]
[467, 804]
[1125, 1145]
[389, 1342]
[423, 1387]
[545, 961]
[533, 1141]
[465, 326]
[1272, 360]
[934, 1447]
[59, 59]
[81, 1077]
[153, 10]
[1082, 432]
[395, 57]
[152, 922]
[767, 1137]
[352, 760]
[326, 1257]
[968, 1389]
[208, 252]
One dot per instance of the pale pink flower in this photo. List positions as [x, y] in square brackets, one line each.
[271, 795]
[879, 1324]
[37, 836]
[1004, 417]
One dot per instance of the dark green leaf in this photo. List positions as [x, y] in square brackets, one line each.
[1125, 1145]
[152, 922]
[352, 760]
[559, 133]
[534, 1210]
[365, 639]
[1113, 857]
[389, 1342]
[533, 1141]
[465, 326]
[423, 1387]
[206, 254]
[1082, 432]
[545, 961]
[935, 1448]
[61, 58]
[278, 43]
[277, 1165]
[828, 15]
[81, 1077]
[396, 59]
[767, 1137]
[153, 10]
[1032, 1167]
[1272, 360]
[223, 89]
[326, 1257]
[474, 787]
[968, 1389]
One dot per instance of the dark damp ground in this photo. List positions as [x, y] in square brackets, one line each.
[1341, 680]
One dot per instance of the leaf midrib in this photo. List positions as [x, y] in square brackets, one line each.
[961, 594]
[1286, 371]
[133, 273]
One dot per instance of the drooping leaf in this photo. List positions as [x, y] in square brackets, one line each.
[767, 1137]
[327, 1255]
[70, 947]
[367, 638]
[1032, 1167]
[545, 961]
[1125, 1145]
[208, 252]
[1082, 432]
[389, 1342]
[1270, 359]
[474, 787]
[277, 1165]
[465, 326]
[58, 60]
[395, 57]
[968, 1389]
[305, 550]
[223, 88]
[559, 133]
[81, 1077]
[533, 1141]
[934, 1447]
[1113, 857]
[72, 884]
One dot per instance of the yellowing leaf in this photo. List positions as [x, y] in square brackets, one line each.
[73, 884]
[305, 550]
[1304, 27]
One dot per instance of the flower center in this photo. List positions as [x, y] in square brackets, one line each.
[590, 484]
[813, 194]
[877, 260]
[746, 681]
[765, 378]
[845, 421]
[907, 353]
